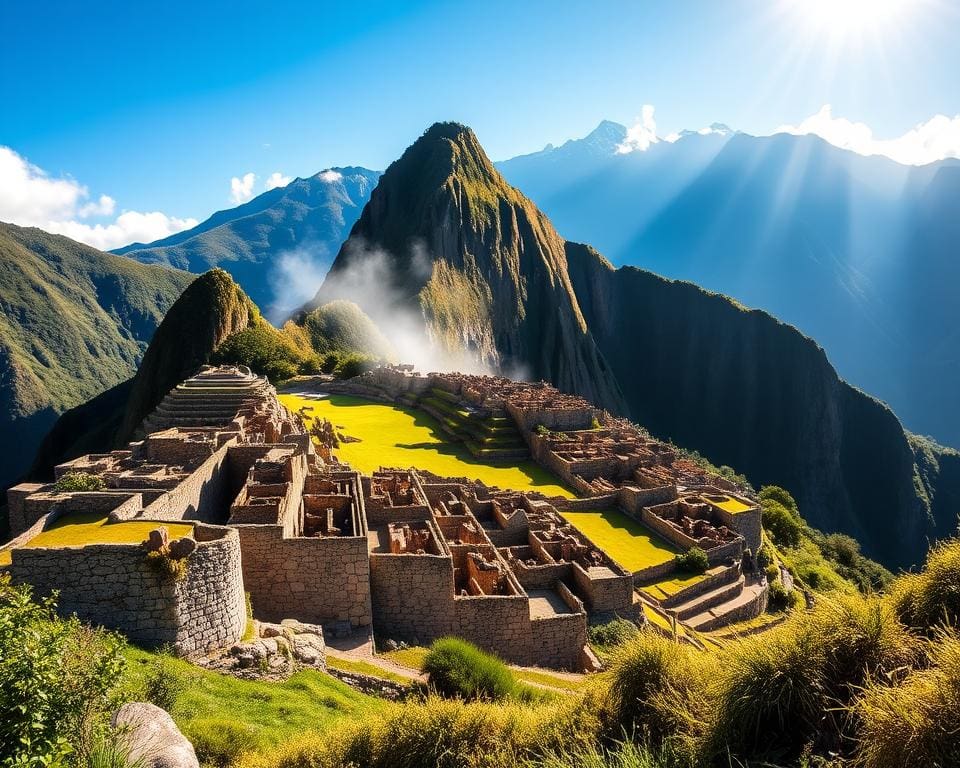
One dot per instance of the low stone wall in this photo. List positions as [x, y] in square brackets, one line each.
[633, 498]
[707, 584]
[650, 573]
[541, 576]
[205, 495]
[316, 580]
[34, 508]
[115, 586]
[594, 503]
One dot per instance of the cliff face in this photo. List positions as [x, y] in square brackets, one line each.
[749, 391]
[481, 267]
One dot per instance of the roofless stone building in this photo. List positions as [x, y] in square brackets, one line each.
[401, 553]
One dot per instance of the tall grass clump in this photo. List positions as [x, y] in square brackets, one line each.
[656, 691]
[931, 598]
[918, 721]
[441, 733]
[459, 669]
[791, 687]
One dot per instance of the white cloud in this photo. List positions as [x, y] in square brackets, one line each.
[105, 206]
[241, 189]
[330, 176]
[29, 197]
[277, 179]
[642, 134]
[129, 227]
[936, 139]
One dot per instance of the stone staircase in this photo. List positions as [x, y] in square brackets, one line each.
[724, 597]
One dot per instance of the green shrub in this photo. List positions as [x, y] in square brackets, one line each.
[773, 572]
[784, 526]
[460, 669]
[79, 481]
[354, 364]
[265, 350]
[58, 682]
[612, 634]
[220, 742]
[779, 599]
[694, 560]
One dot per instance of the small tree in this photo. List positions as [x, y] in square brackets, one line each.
[694, 560]
[78, 481]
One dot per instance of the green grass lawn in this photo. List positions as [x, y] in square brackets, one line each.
[628, 542]
[397, 436]
[80, 528]
[669, 587]
[212, 709]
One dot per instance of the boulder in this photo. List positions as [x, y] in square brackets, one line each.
[181, 548]
[152, 738]
[156, 540]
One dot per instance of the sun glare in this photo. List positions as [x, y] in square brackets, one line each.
[839, 17]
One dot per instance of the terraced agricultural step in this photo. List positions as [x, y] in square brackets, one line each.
[729, 611]
[707, 600]
[717, 575]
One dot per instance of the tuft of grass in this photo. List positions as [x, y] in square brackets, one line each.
[915, 722]
[792, 686]
[442, 733]
[657, 691]
[931, 598]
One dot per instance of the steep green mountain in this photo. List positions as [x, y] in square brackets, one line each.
[74, 322]
[271, 243]
[485, 272]
[342, 327]
[446, 238]
[213, 321]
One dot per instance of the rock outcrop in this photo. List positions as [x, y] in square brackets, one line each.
[151, 737]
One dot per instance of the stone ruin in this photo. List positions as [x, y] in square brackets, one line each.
[403, 553]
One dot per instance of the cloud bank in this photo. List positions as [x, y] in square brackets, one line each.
[241, 188]
[29, 197]
[277, 179]
[936, 139]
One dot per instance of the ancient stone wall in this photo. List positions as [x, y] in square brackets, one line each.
[205, 495]
[29, 510]
[747, 524]
[412, 596]
[115, 586]
[316, 580]
[633, 499]
[604, 593]
[497, 623]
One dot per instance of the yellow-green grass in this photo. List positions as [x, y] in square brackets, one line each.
[397, 436]
[669, 587]
[264, 713]
[658, 619]
[412, 658]
[545, 677]
[360, 667]
[82, 528]
[630, 543]
[732, 505]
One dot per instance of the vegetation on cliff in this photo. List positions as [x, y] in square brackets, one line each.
[74, 321]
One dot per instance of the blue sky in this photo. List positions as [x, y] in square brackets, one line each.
[159, 106]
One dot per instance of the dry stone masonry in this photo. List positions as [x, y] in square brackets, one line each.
[411, 556]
